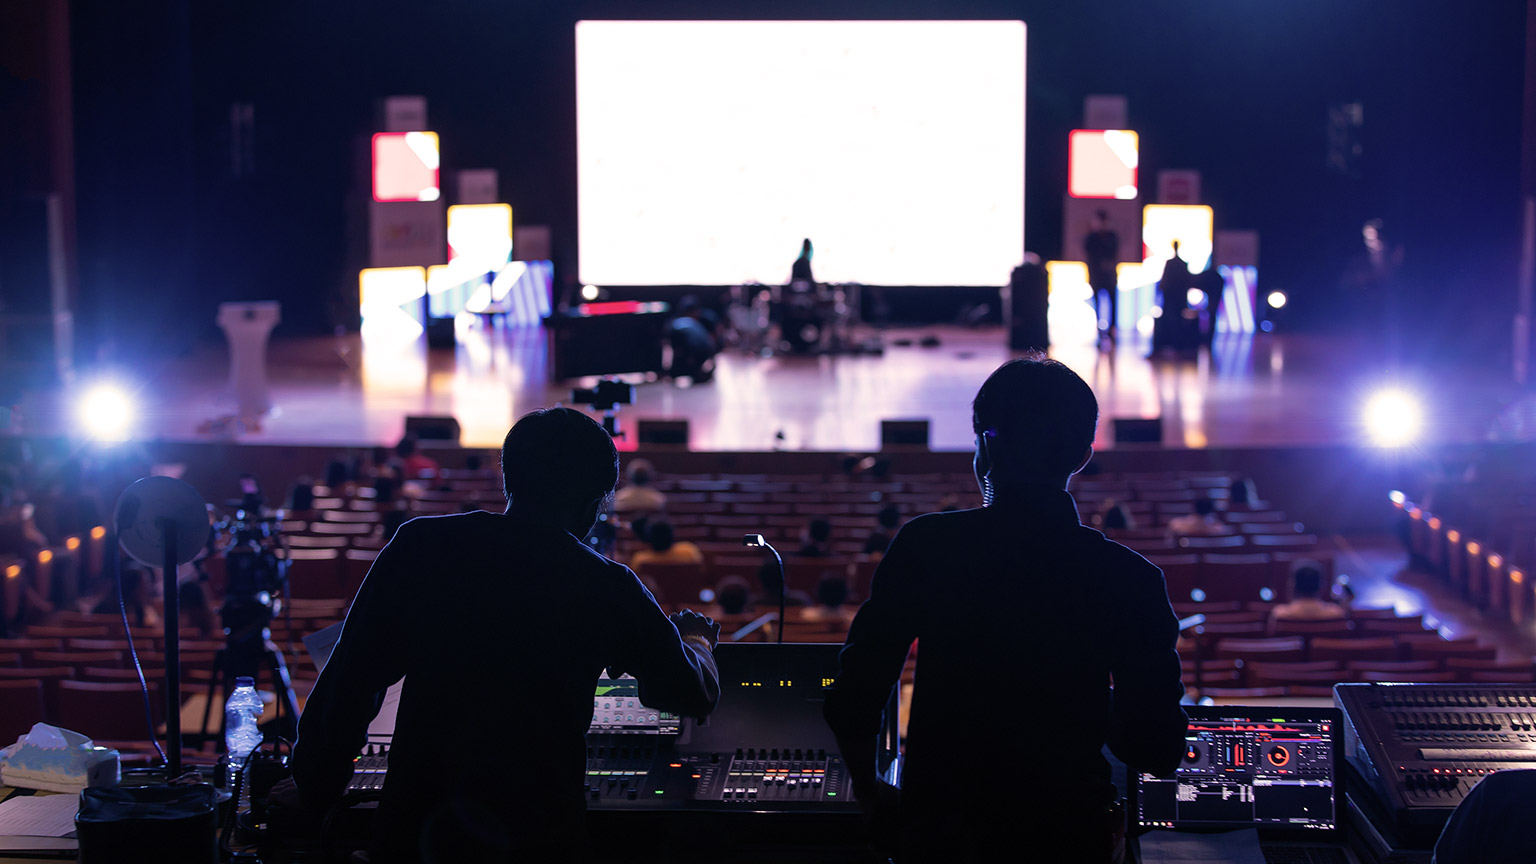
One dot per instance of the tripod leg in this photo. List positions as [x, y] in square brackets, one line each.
[286, 701]
[219, 676]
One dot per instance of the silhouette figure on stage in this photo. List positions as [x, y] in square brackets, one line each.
[800, 271]
[1172, 328]
[1101, 249]
[501, 624]
[1214, 286]
[1033, 629]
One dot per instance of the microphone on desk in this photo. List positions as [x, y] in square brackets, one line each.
[758, 541]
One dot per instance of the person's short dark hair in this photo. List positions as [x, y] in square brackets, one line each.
[832, 591]
[1242, 491]
[660, 535]
[558, 455]
[732, 595]
[1118, 518]
[820, 530]
[336, 473]
[1038, 417]
[889, 517]
[381, 455]
[472, 462]
[1306, 579]
[639, 473]
[1205, 506]
[406, 447]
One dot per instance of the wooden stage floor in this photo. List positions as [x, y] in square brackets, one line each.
[1268, 390]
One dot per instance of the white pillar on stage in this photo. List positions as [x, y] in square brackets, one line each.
[247, 326]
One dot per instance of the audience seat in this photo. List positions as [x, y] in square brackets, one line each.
[21, 706]
[108, 710]
[1358, 648]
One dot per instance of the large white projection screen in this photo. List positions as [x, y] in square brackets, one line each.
[707, 150]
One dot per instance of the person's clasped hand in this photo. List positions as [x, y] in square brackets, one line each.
[690, 624]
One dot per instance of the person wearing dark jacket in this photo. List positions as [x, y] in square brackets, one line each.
[501, 625]
[1069, 647]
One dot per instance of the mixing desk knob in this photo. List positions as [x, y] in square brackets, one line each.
[633, 794]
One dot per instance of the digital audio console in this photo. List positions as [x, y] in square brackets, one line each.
[1422, 747]
[764, 749]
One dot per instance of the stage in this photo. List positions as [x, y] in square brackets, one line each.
[1263, 390]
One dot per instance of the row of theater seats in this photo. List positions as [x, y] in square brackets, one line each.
[1481, 573]
[77, 672]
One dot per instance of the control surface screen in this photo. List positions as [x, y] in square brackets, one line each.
[1246, 772]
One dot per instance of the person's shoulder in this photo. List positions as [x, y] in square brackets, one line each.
[1116, 557]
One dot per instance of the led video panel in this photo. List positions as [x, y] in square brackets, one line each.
[405, 166]
[1101, 163]
[479, 236]
[1192, 225]
[389, 299]
[707, 150]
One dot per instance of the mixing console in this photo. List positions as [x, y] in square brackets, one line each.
[742, 758]
[1422, 747]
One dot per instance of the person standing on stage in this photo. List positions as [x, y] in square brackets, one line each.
[1068, 644]
[800, 271]
[501, 625]
[1101, 249]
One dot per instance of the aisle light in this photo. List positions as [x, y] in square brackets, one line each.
[1392, 418]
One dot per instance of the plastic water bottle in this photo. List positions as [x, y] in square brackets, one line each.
[241, 733]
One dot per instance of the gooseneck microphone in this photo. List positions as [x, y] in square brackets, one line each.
[758, 541]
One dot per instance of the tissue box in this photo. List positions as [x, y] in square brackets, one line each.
[58, 760]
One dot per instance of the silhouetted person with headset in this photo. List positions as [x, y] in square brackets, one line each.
[501, 624]
[1061, 613]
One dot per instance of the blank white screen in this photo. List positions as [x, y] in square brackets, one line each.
[707, 150]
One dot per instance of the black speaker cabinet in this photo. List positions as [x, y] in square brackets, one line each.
[425, 428]
[662, 433]
[903, 434]
[1136, 430]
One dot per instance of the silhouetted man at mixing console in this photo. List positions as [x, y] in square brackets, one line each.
[1013, 700]
[501, 625]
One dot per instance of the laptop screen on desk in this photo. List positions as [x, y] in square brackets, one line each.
[1268, 768]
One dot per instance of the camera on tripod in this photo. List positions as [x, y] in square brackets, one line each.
[606, 397]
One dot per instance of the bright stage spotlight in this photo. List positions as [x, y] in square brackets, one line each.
[1392, 418]
[1277, 299]
[105, 413]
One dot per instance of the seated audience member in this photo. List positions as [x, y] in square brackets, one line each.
[831, 602]
[1242, 495]
[1116, 517]
[19, 534]
[637, 500]
[1026, 552]
[1306, 603]
[664, 549]
[521, 614]
[816, 541]
[1202, 523]
[772, 583]
[413, 465]
[381, 463]
[889, 519]
[733, 596]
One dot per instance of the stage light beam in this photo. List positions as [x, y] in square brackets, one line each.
[1392, 418]
[105, 413]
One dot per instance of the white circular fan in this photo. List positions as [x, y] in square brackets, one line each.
[147, 507]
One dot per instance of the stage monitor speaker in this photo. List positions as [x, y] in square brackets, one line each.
[440, 333]
[1137, 430]
[903, 434]
[427, 428]
[662, 433]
